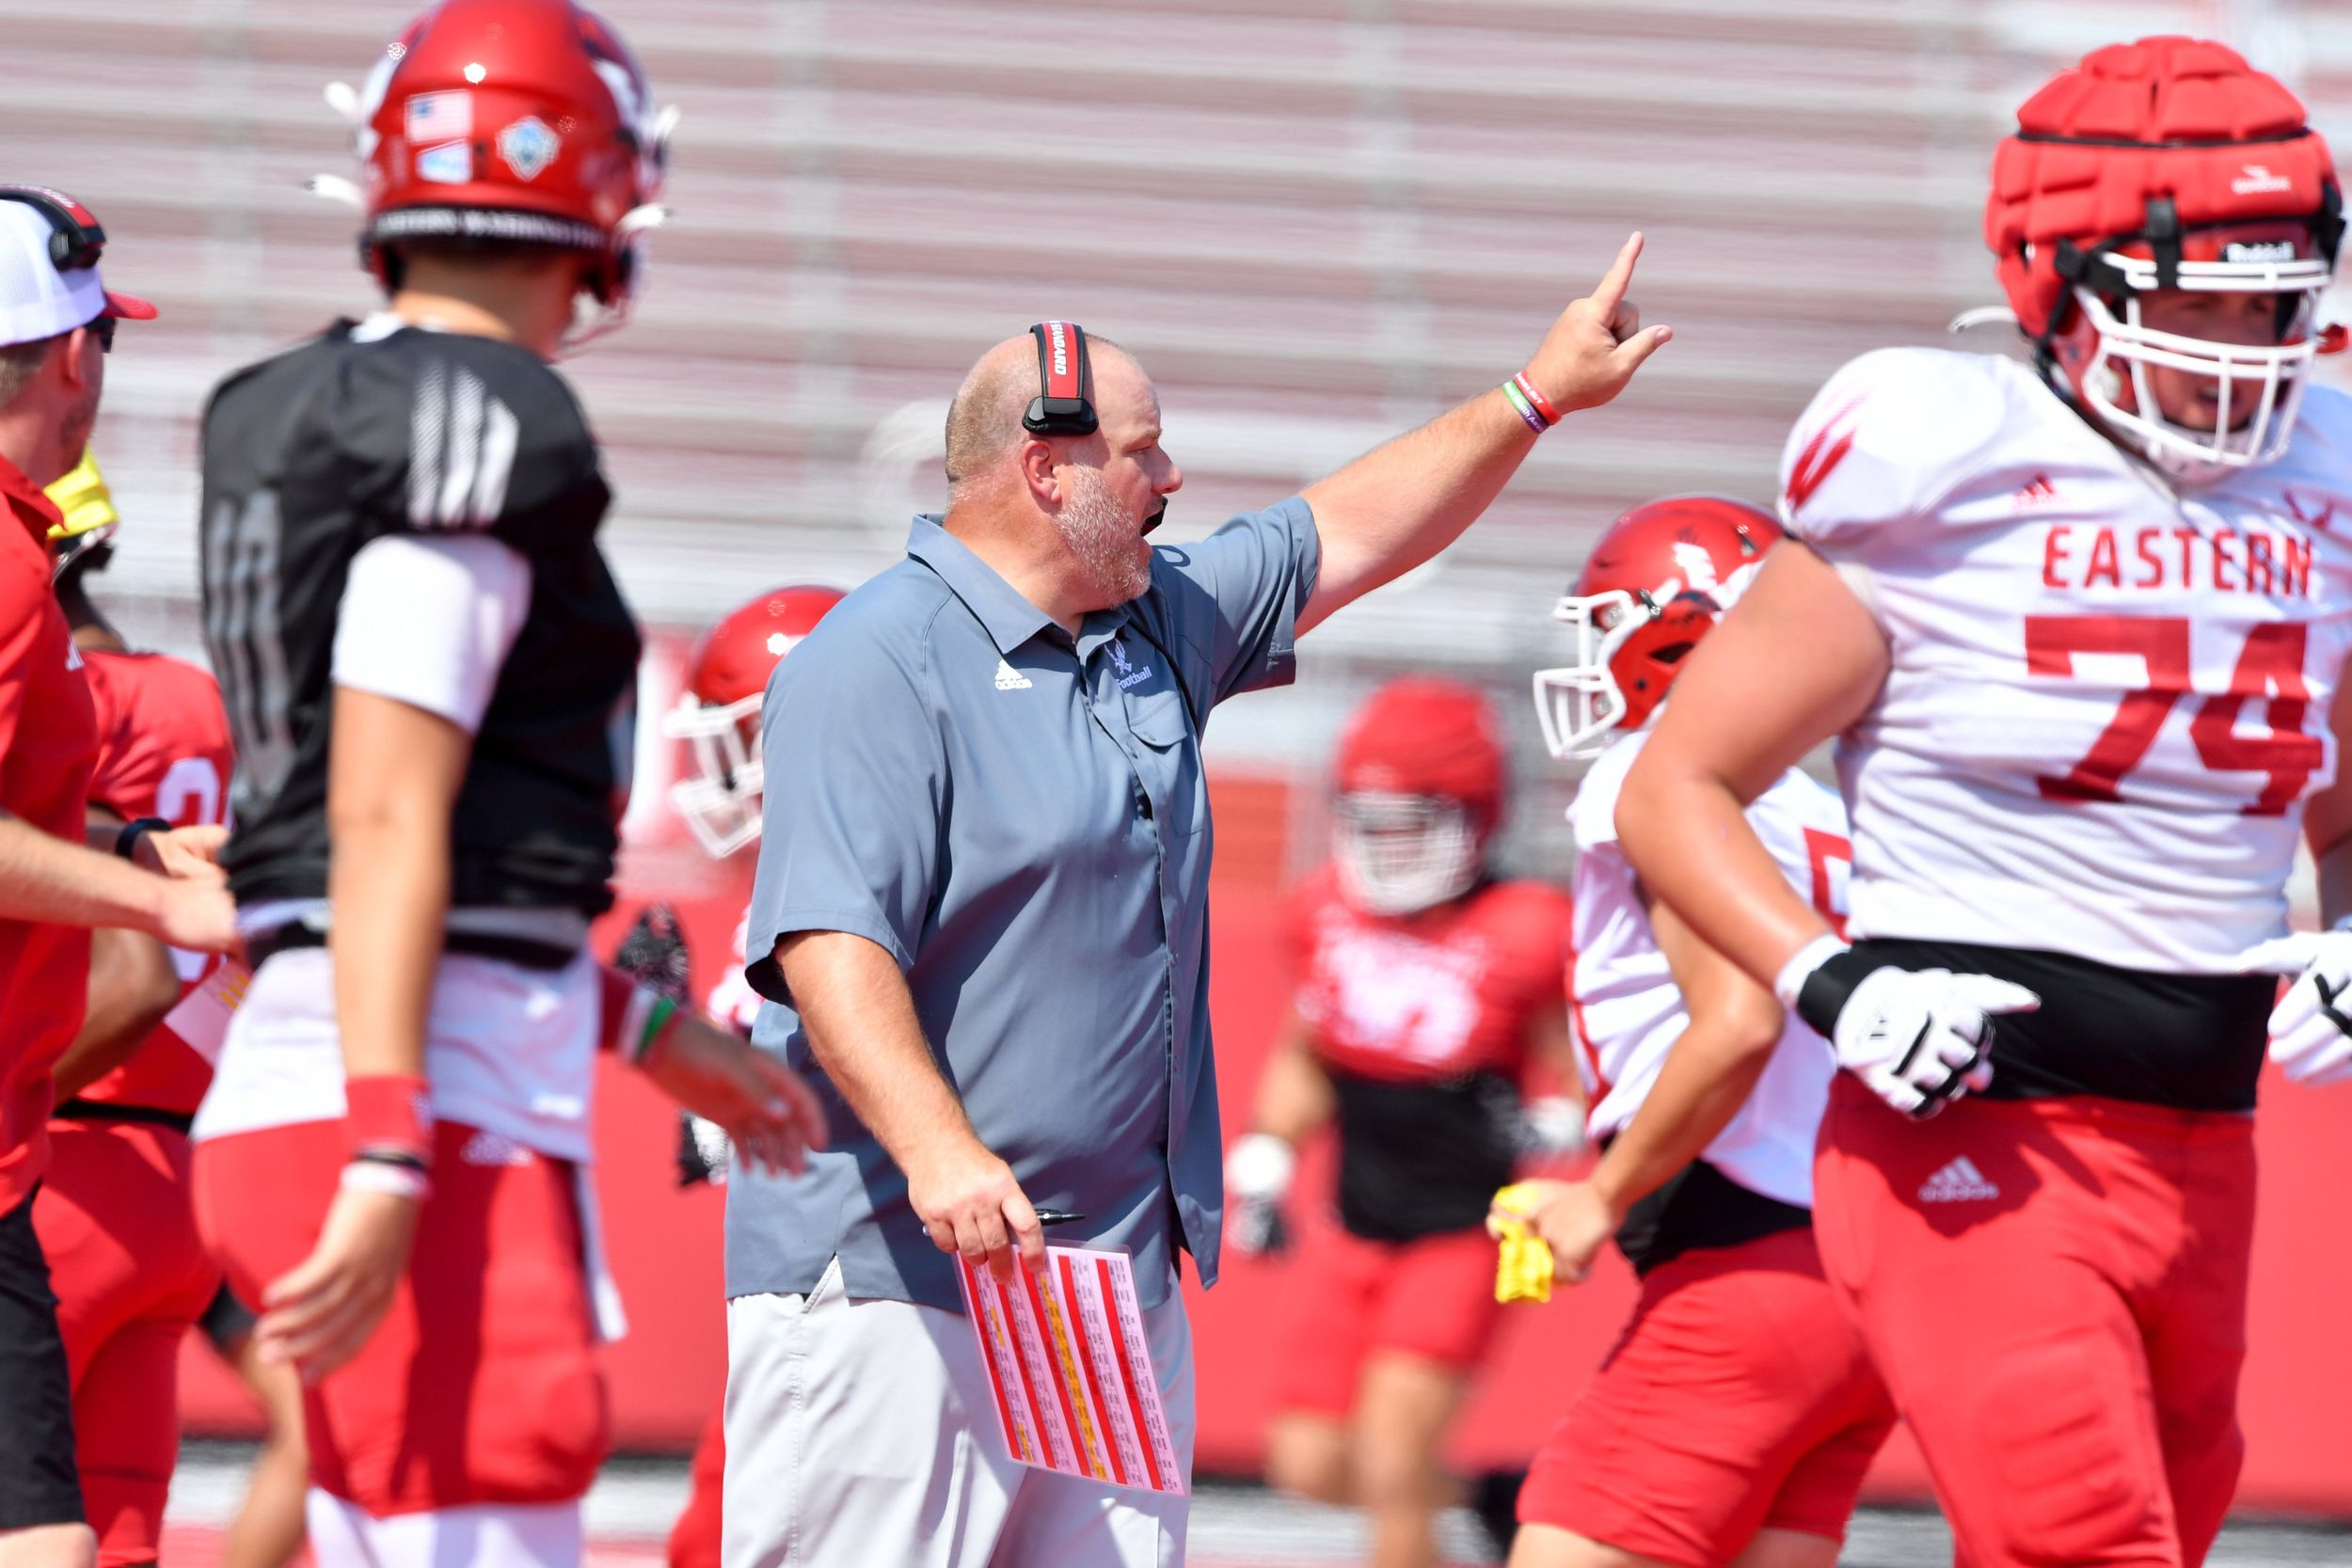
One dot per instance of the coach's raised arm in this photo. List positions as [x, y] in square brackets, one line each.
[982, 919]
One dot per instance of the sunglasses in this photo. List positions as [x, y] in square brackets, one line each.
[102, 328]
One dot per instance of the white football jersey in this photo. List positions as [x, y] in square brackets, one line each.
[1622, 994]
[2107, 702]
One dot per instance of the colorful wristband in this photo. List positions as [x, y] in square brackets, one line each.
[635, 1018]
[1526, 409]
[1541, 403]
[391, 1114]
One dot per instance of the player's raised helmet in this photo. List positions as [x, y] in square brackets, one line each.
[86, 538]
[718, 713]
[1421, 786]
[2168, 164]
[515, 121]
[1656, 582]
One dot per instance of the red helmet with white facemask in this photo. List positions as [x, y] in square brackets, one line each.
[513, 122]
[1421, 786]
[1656, 582]
[2169, 164]
[718, 713]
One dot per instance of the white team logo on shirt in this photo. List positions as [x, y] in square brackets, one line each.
[1011, 679]
[1959, 1183]
[1128, 673]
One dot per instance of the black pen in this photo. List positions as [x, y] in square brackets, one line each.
[1057, 1217]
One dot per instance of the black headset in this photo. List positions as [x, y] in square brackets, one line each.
[1062, 407]
[75, 239]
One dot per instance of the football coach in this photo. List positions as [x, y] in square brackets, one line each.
[981, 923]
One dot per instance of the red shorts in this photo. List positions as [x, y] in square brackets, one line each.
[1737, 1398]
[694, 1539]
[2056, 1290]
[1433, 1297]
[481, 1385]
[130, 1276]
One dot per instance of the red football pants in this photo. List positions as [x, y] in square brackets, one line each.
[2055, 1290]
[481, 1385]
[113, 1218]
[694, 1539]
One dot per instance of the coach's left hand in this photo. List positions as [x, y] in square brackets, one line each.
[2310, 1028]
[321, 1312]
[1598, 343]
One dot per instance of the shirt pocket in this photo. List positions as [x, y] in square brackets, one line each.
[1169, 761]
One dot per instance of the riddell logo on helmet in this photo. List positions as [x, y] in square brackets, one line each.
[2258, 180]
[2268, 250]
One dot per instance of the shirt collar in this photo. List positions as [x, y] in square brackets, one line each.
[33, 508]
[1009, 619]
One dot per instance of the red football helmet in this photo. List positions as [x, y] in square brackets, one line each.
[2168, 164]
[1421, 786]
[1655, 584]
[718, 713]
[523, 120]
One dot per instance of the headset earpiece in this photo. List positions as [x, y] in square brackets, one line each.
[1062, 407]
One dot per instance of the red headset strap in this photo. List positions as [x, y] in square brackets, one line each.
[1061, 359]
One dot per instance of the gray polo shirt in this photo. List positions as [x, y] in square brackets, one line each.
[1022, 821]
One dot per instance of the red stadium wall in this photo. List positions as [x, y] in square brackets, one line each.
[665, 1244]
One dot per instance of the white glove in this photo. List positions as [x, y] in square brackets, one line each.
[1922, 1037]
[2310, 1028]
[1551, 1127]
[1258, 1173]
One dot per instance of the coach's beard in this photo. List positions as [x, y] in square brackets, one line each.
[1108, 545]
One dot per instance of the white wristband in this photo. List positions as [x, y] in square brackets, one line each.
[1259, 1167]
[1797, 971]
[379, 1176]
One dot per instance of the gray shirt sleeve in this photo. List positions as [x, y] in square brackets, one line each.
[849, 819]
[1226, 608]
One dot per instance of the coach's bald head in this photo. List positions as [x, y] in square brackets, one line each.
[1062, 517]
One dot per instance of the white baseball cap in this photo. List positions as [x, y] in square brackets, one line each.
[49, 283]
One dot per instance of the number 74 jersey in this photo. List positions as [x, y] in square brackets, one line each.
[2106, 702]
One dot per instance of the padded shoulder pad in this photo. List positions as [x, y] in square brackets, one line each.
[1890, 435]
[2325, 426]
[450, 432]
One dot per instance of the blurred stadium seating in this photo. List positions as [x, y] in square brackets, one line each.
[1316, 221]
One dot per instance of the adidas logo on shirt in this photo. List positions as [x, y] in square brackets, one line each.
[1959, 1183]
[1011, 679]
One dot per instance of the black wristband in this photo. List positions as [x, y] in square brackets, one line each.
[127, 841]
[377, 1154]
[1827, 989]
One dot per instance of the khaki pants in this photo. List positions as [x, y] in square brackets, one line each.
[863, 1433]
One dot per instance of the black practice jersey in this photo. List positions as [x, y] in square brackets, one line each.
[1422, 1158]
[310, 456]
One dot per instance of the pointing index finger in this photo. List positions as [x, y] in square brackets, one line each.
[1610, 292]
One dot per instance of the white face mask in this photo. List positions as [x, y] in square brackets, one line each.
[2127, 348]
[1578, 704]
[1399, 854]
[721, 804]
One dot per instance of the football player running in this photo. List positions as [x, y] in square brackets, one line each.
[718, 718]
[1736, 1416]
[2079, 623]
[428, 669]
[1426, 988]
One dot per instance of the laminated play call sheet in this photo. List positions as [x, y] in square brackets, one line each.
[1071, 1371]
